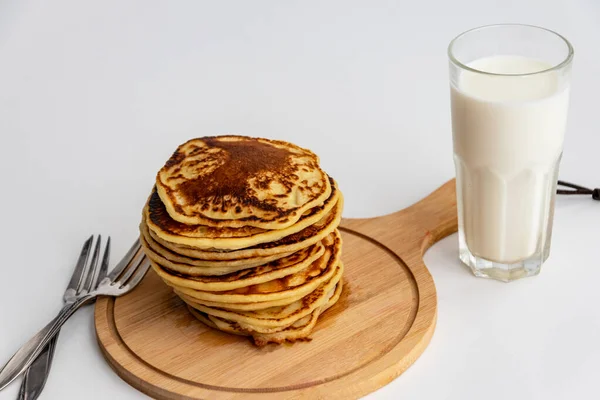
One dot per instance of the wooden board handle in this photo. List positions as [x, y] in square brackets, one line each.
[429, 220]
[436, 214]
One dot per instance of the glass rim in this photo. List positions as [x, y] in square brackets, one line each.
[558, 66]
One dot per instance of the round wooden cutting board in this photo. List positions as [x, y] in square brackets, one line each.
[381, 324]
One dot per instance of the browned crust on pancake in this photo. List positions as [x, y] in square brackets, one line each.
[160, 218]
[158, 215]
[232, 165]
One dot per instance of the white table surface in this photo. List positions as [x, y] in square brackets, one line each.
[94, 97]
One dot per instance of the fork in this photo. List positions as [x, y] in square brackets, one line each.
[124, 277]
[36, 375]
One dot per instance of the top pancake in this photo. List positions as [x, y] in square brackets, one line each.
[235, 181]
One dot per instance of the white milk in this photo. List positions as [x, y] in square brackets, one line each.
[508, 137]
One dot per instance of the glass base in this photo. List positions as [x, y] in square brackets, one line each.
[499, 271]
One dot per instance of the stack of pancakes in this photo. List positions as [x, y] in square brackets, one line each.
[245, 232]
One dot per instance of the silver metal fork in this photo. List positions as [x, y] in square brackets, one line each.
[37, 374]
[125, 276]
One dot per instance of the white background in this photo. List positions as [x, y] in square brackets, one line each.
[94, 97]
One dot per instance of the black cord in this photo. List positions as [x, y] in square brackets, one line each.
[576, 189]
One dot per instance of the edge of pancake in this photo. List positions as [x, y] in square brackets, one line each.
[241, 278]
[289, 335]
[291, 243]
[194, 266]
[310, 302]
[300, 290]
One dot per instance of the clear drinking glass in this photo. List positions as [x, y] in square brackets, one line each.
[510, 95]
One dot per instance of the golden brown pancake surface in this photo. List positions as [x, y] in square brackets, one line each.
[239, 180]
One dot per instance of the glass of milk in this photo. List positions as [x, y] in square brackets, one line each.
[510, 95]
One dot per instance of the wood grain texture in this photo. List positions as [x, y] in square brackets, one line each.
[380, 326]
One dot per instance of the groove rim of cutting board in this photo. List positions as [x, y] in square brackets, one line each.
[135, 370]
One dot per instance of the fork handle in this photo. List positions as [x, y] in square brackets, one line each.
[27, 354]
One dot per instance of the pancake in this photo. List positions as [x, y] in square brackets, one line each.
[300, 283]
[300, 330]
[194, 266]
[294, 263]
[306, 237]
[237, 181]
[226, 238]
[244, 230]
[228, 327]
[257, 305]
[274, 319]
